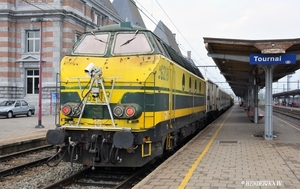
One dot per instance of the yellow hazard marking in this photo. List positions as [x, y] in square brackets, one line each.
[196, 163]
[287, 123]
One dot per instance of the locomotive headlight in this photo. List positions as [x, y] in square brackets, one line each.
[71, 109]
[66, 109]
[127, 111]
[118, 111]
[130, 111]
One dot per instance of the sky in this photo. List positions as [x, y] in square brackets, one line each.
[192, 20]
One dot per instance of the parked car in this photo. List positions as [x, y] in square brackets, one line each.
[11, 108]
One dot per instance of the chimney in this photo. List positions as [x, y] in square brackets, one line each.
[189, 55]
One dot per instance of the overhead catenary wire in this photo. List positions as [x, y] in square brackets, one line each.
[179, 45]
[178, 30]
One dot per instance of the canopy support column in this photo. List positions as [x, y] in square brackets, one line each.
[255, 93]
[268, 135]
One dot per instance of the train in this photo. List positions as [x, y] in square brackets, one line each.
[217, 102]
[126, 98]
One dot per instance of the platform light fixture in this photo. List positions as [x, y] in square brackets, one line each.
[41, 20]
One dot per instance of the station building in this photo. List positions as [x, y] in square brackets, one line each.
[23, 23]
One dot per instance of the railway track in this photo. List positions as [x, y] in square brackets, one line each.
[25, 174]
[290, 112]
[116, 178]
[20, 167]
[24, 152]
[81, 178]
[102, 178]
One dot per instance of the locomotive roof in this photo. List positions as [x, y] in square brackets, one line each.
[174, 55]
[120, 26]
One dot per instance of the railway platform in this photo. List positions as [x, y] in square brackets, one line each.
[22, 129]
[231, 153]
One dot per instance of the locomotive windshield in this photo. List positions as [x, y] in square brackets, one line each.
[93, 44]
[131, 43]
[123, 44]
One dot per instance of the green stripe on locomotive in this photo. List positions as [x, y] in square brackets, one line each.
[159, 102]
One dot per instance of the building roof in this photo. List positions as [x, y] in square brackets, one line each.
[128, 10]
[232, 57]
[163, 32]
[109, 5]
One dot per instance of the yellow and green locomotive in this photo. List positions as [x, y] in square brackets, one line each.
[126, 97]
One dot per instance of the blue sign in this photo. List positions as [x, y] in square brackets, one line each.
[272, 59]
[54, 97]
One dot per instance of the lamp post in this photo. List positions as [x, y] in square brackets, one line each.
[41, 20]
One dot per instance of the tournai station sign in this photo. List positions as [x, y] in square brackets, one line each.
[272, 59]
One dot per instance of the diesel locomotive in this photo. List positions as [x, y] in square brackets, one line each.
[126, 97]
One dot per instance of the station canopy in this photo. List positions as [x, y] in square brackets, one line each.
[232, 57]
[287, 93]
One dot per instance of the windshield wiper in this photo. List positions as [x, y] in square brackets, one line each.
[97, 37]
[128, 41]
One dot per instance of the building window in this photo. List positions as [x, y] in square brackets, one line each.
[33, 41]
[32, 81]
[190, 84]
[104, 20]
[96, 19]
[183, 82]
[200, 89]
[77, 37]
